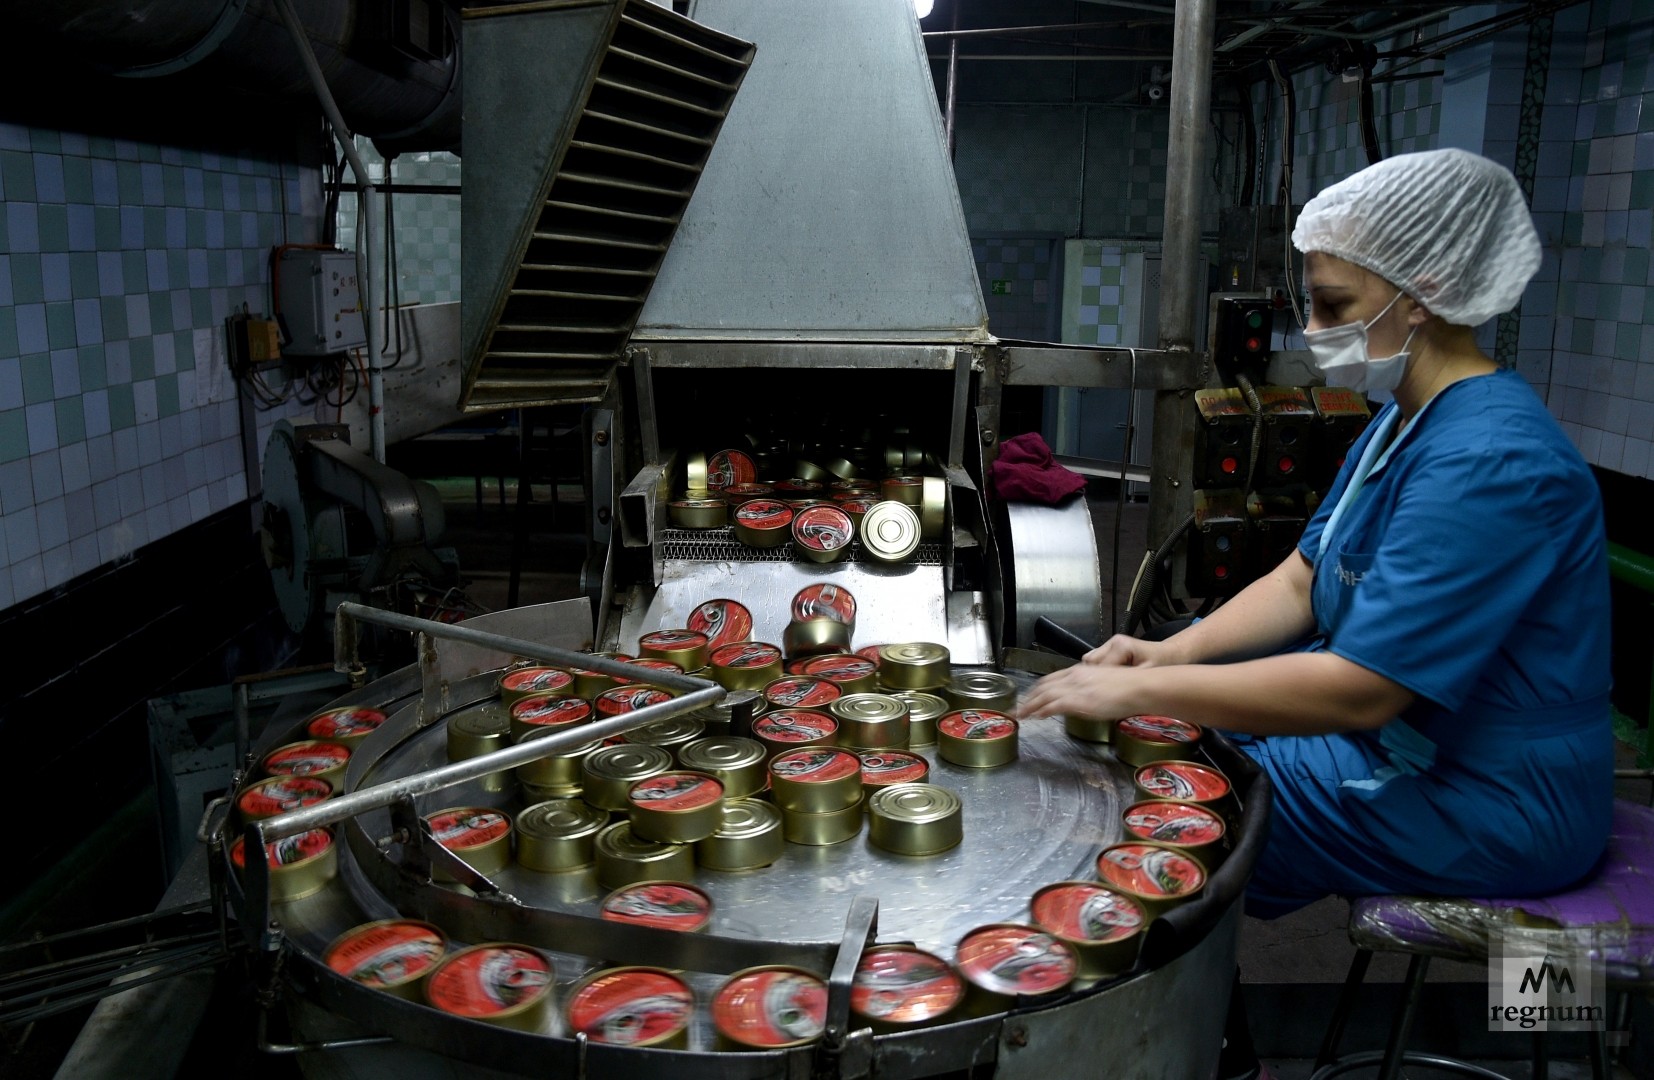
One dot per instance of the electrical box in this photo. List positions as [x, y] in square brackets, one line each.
[319, 301]
[1224, 439]
[1220, 558]
[1343, 416]
[1288, 450]
[1242, 334]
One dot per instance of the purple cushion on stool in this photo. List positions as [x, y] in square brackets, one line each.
[1615, 903]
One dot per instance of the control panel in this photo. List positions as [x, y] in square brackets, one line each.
[318, 301]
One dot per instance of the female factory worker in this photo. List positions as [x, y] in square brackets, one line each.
[1445, 729]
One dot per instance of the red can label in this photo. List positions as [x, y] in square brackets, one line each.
[728, 467]
[1183, 780]
[739, 493]
[795, 666]
[796, 487]
[884, 767]
[489, 980]
[823, 528]
[771, 1008]
[870, 653]
[1016, 960]
[855, 504]
[764, 514]
[801, 692]
[824, 601]
[902, 482]
[536, 680]
[1158, 729]
[1150, 871]
[304, 759]
[279, 796]
[625, 699]
[286, 851]
[840, 667]
[344, 723]
[675, 792]
[551, 711]
[1174, 823]
[672, 640]
[664, 904]
[904, 986]
[469, 827]
[650, 663]
[1086, 912]
[722, 621]
[794, 725]
[631, 1008]
[619, 658]
[386, 955]
[816, 765]
[746, 654]
[977, 724]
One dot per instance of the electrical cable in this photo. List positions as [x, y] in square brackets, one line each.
[393, 280]
[1288, 123]
[1148, 576]
[1127, 450]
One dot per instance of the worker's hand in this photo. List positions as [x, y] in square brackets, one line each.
[1123, 651]
[1094, 690]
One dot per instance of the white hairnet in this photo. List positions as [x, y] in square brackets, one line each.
[1448, 227]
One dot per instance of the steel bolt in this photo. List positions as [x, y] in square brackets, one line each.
[987, 436]
[601, 438]
[1018, 1036]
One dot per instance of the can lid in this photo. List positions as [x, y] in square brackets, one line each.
[823, 527]
[981, 684]
[1010, 959]
[869, 708]
[840, 667]
[675, 792]
[620, 842]
[742, 492]
[977, 724]
[1184, 824]
[728, 467]
[794, 725]
[722, 752]
[487, 980]
[1183, 780]
[697, 503]
[885, 767]
[630, 1006]
[618, 700]
[899, 984]
[890, 531]
[483, 720]
[536, 680]
[764, 514]
[551, 711]
[1162, 729]
[1150, 870]
[288, 851]
[746, 654]
[282, 793]
[1085, 911]
[386, 953]
[344, 723]
[902, 481]
[722, 621]
[650, 663]
[914, 654]
[747, 818]
[669, 905]
[561, 819]
[305, 758]
[921, 706]
[824, 600]
[797, 485]
[914, 804]
[669, 732]
[626, 762]
[771, 1007]
[673, 640]
[624, 658]
[460, 828]
[815, 765]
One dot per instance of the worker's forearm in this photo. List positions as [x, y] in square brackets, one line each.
[1267, 616]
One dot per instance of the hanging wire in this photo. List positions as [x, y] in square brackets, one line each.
[393, 277]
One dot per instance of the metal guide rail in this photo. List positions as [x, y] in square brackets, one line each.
[720, 545]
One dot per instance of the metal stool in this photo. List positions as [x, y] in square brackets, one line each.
[1617, 900]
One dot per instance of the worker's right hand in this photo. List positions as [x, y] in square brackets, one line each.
[1124, 651]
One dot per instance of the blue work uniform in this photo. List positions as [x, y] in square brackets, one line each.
[1468, 564]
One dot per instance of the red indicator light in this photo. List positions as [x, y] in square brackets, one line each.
[1229, 465]
[1220, 572]
[1254, 345]
[1287, 464]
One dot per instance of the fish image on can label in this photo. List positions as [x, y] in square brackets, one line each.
[746, 654]
[551, 711]
[630, 1007]
[350, 723]
[676, 791]
[287, 851]
[625, 699]
[1016, 960]
[728, 467]
[307, 758]
[816, 765]
[1183, 781]
[901, 985]
[267, 798]
[671, 639]
[536, 681]
[1158, 729]
[824, 600]
[387, 953]
[467, 827]
[794, 725]
[1086, 912]
[670, 905]
[1147, 870]
[801, 692]
[764, 514]
[977, 724]
[823, 528]
[1174, 823]
[840, 667]
[485, 980]
[771, 1008]
[884, 767]
[722, 621]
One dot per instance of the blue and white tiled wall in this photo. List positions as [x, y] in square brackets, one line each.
[119, 261]
[427, 225]
[1016, 276]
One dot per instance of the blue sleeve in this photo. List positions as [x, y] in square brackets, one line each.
[1461, 555]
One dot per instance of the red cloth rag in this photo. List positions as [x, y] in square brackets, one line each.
[1025, 471]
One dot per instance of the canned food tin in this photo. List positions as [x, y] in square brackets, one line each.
[915, 819]
[898, 987]
[300, 866]
[671, 734]
[792, 729]
[762, 523]
[816, 780]
[914, 665]
[667, 905]
[869, 652]
[746, 665]
[736, 494]
[795, 666]
[871, 721]
[849, 672]
[822, 533]
[735, 762]
[632, 1006]
[805, 469]
[977, 738]
[797, 488]
[1194, 830]
[676, 807]
[981, 690]
[547, 714]
[559, 772]
[623, 857]
[815, 637]
[1158, 878]
[393, 955]
[558, 835]
[624, 699]
[857, 507]
[347, 726]
[729, 467]
[589, 684]
[1089, 728]
[478, 730]
[801, 692]
[769, 1008]
[820, 830]
[685, 648]
[534, 681]
[923, 710]
[824, 600]
[1102, 926]
[749, 837]
[853, 485]
[907, 490]
[608, 773]
[1001, 962]
[694, 471]
[1185, 781]
[279, 794]
[890, 531]
[497, 983]
[481, 835]
[719, 717]
[1139, 740]
[648, 665]
[933, 508]
[883, 768]
[698, 513]
[722, 621]
[313, 757]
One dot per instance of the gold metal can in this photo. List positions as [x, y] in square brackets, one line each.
[851, 673]
[665, 905]
[884, 768]
[822, 532]
[857, 505]
[498, 983]
[1103, 927]
[736, 494]
[533, 680]
[478, 730]
[801, 692]
[923, 710]
[481, 835]
[933, 508]
[871, 721]
[535, 714]
[1004, 962]
[816, 779]
[977, 738]
[899, 987]
[907, 490]
[346, 726]
[1089, 728]
[814, 637]
[300, 866]
[632, 1006]
[914, 665]
[1158, 878]
[746, 665]
[1195, 830]
[559, 772]
[312, 757]
[1139, 740]
[821, 830]
[750, 837]
[623, 857]
[279, 794]
[671, 734]
[793, 729]
[722, 621]
[798, 489]
[736, 762]
[647, 666]
[621, 700]
[608, 773]
[978, 689]
[685, 648]
[719, 717]
[393, 955]
[805, 469]
[915, 819]
[677, 807]
[529, 794]
[589, 684]
[694, 471]
[769, 1008]
[824, 600]
[890, 531]
[558, 835]
[762, 523]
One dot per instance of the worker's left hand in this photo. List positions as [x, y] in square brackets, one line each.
[1093, 690]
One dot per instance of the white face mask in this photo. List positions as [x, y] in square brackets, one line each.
[1340, 354]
